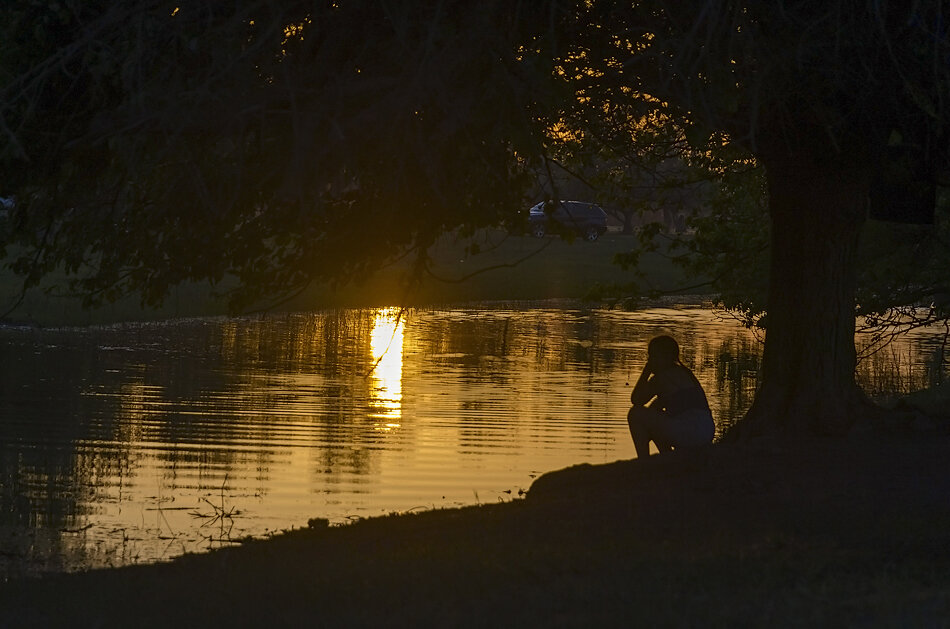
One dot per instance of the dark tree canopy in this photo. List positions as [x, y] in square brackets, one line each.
[148, 143]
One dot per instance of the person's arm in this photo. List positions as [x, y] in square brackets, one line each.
[642, 391]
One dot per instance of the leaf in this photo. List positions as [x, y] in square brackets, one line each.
[895, 139]
[697, 134]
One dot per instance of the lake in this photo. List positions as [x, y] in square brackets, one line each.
[140, 442]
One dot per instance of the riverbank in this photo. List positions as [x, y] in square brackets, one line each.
[852, 532]
[505, 268]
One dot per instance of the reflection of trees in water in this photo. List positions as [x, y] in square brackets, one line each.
[937, 364]
[908, 363]
[246, 380]
[737, 362]
[49, 481]
[35, 504]
[600, 344]
[312, 370]
[212, 396]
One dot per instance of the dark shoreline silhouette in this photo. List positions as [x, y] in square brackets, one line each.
[824, 532]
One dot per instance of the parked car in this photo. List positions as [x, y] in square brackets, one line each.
[587, 219]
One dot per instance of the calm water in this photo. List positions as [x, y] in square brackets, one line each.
[137, 443]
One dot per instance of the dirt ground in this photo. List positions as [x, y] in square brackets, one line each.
[847, 533]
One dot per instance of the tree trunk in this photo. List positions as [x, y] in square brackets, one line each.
[628, 221]
[817, 207]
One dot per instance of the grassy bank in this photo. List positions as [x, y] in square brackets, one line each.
[851, 532]
[507, 268]
[515, 268]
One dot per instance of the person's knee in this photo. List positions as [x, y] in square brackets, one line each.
[636, 415]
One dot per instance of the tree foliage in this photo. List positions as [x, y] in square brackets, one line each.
[850, 82]
[149, 143]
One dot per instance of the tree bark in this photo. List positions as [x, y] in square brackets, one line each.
[817, 207]
[627, 221]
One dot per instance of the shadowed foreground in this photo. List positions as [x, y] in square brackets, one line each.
[837, 533]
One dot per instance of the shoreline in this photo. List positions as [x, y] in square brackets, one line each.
[553, 303]
[818, 532]
[563, 270]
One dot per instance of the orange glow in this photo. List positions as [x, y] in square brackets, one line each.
[386, 347]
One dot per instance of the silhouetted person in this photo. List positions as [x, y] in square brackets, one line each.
[669, 405]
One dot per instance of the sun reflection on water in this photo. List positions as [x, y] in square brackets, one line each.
[386, 347]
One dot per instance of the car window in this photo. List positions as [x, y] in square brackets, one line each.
[571, 211]
[576, 209]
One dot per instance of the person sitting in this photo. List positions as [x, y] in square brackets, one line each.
[669, 404]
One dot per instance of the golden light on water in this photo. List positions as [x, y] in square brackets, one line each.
[281, 419]
[386, 346]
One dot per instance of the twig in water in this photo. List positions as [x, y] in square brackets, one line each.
[219, 514]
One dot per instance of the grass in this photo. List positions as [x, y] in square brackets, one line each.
[508, 268]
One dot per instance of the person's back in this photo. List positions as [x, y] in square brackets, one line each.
[678, 390]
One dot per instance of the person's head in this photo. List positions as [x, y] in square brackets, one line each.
[663, 351]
